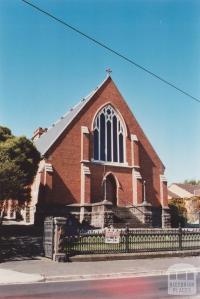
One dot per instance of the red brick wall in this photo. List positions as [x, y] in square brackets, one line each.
[124, 177]
[65, 156]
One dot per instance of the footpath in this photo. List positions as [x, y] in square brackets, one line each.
[44, 270]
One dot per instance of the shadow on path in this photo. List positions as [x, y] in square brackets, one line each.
[20, 242]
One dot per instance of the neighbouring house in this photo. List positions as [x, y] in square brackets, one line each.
[13, 210]
[99, 166]
[186, 196]
[178, 190]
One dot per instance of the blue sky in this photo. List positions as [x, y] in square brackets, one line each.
[45, 69]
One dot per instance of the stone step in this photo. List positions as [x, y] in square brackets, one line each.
[123, 216]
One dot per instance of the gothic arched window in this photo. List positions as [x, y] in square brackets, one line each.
[108, 136]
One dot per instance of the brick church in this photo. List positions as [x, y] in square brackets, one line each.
[99, 166]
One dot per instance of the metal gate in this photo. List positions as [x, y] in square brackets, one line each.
[48, 241]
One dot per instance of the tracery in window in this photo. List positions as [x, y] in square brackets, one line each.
[108, 136]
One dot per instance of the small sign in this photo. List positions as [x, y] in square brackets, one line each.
[112, 236]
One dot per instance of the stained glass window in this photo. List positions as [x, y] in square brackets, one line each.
[108, 136]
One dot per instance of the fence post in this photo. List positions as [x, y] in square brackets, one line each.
[127, 239]
[48, 237]
[59, 239]
[180, 237]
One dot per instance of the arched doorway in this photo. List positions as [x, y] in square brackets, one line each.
[110, 189]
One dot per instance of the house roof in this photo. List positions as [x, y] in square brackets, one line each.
[48, 138]
[189, 187]
[178, 190]
[172, 194]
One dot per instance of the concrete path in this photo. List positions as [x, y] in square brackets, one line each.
[43, 269]
[14, 277]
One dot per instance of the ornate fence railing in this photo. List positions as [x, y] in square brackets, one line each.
[133, 240]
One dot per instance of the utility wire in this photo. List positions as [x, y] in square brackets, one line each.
[112, 51]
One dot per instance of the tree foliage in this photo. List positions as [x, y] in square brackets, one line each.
[5, 133]
[184, 211]
[178, 212]
[18, 165]
[192, 182]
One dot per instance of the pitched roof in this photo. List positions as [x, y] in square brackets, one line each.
[189, 187]
[47, 139]
[172, 194]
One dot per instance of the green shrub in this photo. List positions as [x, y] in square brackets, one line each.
[178, 212]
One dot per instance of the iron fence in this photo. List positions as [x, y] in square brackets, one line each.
[133, 240]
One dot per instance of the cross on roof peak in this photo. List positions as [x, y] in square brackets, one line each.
[108, 71]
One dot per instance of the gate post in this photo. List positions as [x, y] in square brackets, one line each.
[48, 237]
[59, 239]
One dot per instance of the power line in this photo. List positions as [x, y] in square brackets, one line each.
[112, 51]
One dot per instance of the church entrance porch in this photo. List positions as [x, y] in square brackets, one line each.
[110, 189]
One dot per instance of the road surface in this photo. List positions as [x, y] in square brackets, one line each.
[124, 288]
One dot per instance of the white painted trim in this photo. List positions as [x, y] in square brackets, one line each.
[132, 153]
[111, 141]
[134, 137]
[82, 172]
[118, 141]
[86, 170]
[117, 184]
[117, 112]
[41, 166]
[116, 179]
[35, 187]
[81, 144]
[110, 163]
[134, 188]
[48, 167]
[82, 185]
[99, 131]
[161, 190]
[45, 178]
[84, 130]
[137, 175]
[163, 178]
[123, 124]
[106, 153]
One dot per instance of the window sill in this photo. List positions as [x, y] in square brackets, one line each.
[125, 164]
[110, 163]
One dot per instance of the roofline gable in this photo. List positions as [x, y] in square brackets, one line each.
[48, 139]
[140, 128]
[40, 142]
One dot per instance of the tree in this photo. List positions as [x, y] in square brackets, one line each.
[178, 212]
[5, 133]
[192, 182]
[18, 165]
